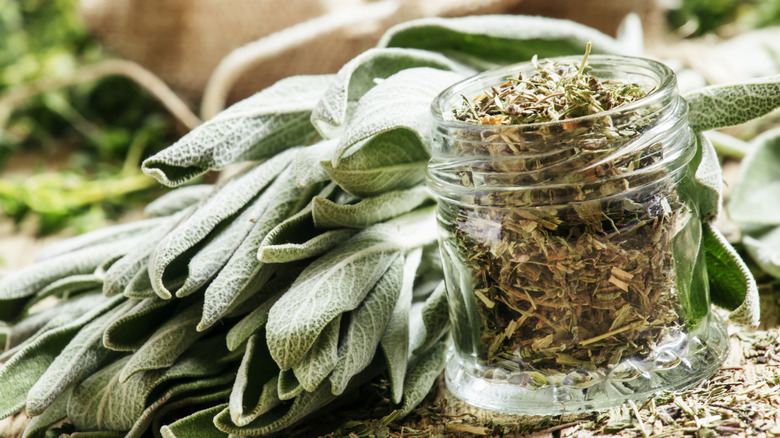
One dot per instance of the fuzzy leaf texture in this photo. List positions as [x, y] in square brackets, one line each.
[255, 128]
[755, 200]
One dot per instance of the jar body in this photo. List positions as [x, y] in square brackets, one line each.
[573, 259]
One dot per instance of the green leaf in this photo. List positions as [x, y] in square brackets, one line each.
[361, 74]
[333, 284]
[308, 169]
[400, 102]
[435, 317]
[178, 200]
[764, 249]
[53, 414]
[366, 326]
[422, 373]
[25, 367]
[390, 161]
[167, 343]
[200, 424]
[703, 183]
[83, 355]
[489, 40]
[732, 286]
[328, 214]
[243, 272]
[222, 204]
[130, 329]
[755, 199]
[186, 406]
[255, 388]
[290, 252]
[720, 106]
[320, 360]
[690, 271]
[255, 320]
[395, 339]
[288, 387]
[258, 127]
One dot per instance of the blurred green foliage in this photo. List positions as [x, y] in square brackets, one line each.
[699, 17]
[105, 126]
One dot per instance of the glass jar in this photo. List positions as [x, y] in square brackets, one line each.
[572, 251]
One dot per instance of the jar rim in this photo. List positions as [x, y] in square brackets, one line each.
[664, 89]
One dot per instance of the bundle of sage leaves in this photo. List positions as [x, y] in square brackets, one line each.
[240, 309]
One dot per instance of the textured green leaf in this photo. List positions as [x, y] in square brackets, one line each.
[333, 284]
[82, 356]
[390, 161]
[243, 272]
[328, 214]
[400, 102]
[258, 127]
[129, 330]
[755, 199]
[320, 360]
[395, 339]
[308, 169]
[228, 199]
[178, 200]
[764, 249]
[288, 387]
[255, 320]
[25, 367]
[56, 412]
[422, 373]
[69, 286]
[361, 74]
[719, 106]
[732, 285]
[188, 405]
[290, 252]
[255, 388]
[704, 182]
[488, 40]
[690, 270]
[200, 424]
[140, 287]
[167, 343]
[436, 319]
[366, 326]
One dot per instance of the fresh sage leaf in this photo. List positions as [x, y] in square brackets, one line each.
[223, 203]
[720, 106]
[423, 372]
[53, 414]
[491, 40]
[189, 405]
[333, 284]
[287, 386]
[395, 339]
[82, 356]
[361, 74]
[435, 317]
[167, 343]
[400, 102]
[732, 285]
[764, 249]
[254, 321]
[755, 199]
[255, 388]
[243, 272]
[129, 330]
[200, 424]
[320, 360]
[290, 252]
[178, 200]
[69, 286]
[366, 326]
[308, 169]
[258, 127]
[328, 214]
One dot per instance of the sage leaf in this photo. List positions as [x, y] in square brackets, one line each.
[243, 271]
[333, 284]
[422, 373]
[25, 368]
[200, 424]
[755, 199]
[732, 285]
[719, 106]
[690, 270]
[258, 127]
[255, 388]
[191, 404]
[140, 287]
[395, 339]
[223, 203]
[56, 412]
[490, 40]
[178, 200]
[366, 326]
[290, 252]
[763, 249]
[308, 169]
[361, 74]
[328, 214]
[704, 182]
[69, 286]
[103, 402]
[252, 322]
[435, 317]
[288, 386]
[82, 356]
[166, 344]
[129, 330]
[389, 161]
[52, 317]
[400, 102]
[320, 360]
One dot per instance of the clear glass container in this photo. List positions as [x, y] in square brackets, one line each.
[571, 250]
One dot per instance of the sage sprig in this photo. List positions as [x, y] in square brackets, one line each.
[247, 306]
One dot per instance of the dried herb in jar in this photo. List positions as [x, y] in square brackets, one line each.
[571, 268]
